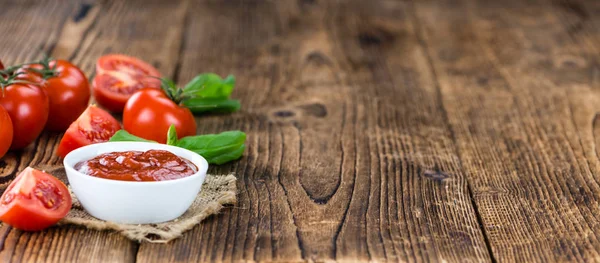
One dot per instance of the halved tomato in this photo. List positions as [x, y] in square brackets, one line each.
[34, 201]
[118, 77]
[93, 126]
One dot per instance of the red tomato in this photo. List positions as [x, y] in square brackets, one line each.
[93, 126]
[149, 114]
[6, 128]
[6, 131]
[118, 77]
[68, 92]
[28, 107]
[34, 201]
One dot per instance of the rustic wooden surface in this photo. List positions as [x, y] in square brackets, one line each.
[388, 130]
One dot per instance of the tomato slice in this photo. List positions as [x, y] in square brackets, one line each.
[118, 77]
[93, 126]
[34, 201]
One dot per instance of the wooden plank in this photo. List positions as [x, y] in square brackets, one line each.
[349, 152]
[65, 244]
[522, 100]
[81, 32]
[151, 30]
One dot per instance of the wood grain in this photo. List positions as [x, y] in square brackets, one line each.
[81, 32]
[65, 244]
[385, 131]
[334, 169]
[517, 90]
[38, 33]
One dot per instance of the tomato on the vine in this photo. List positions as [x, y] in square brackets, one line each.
[67, 88]
[6, 131]
[118, 77]
[93, 126]
[28, 107]
[150, 112]
[6, 127]
[34, 201]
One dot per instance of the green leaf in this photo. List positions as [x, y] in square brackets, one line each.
[231, 155]
[210, 85]
[124, 136]
[214, 140]
[200, 105]
[216, 148]
[172, 135]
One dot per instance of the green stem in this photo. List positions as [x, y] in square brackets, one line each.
[46, 71]
[12, 79]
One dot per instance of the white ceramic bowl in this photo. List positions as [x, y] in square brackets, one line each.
[134, 202]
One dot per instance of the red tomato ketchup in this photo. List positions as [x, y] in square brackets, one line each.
[152, 165]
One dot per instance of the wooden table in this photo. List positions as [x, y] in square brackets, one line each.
[389, 130]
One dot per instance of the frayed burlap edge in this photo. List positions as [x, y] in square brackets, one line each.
[217, 191]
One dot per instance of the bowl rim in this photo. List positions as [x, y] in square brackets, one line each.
[200, 163]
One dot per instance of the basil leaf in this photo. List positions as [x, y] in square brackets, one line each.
[216, 148]
[124, 136]
[201, 105]
[213, 140]
[172, 135]
[231, 155]
[210, 85]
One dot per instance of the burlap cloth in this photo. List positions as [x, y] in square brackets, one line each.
[217, 191]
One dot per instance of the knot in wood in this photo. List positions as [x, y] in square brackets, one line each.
[437, 176]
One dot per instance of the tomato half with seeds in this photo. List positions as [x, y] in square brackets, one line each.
[6, 131]
[95, 125]
[34, 201]
[118, 77]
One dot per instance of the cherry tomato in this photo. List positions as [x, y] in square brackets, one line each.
[68, 91]
[6, 131]
[28, 108]
[93, 126]
[118, 77]
[34, 201]
[6, 128]
[149, 113]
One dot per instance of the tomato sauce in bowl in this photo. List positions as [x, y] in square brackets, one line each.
[140, 166]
